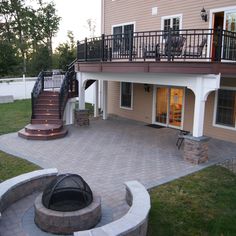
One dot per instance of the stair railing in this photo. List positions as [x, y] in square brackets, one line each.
[69, 87]
[38, 88]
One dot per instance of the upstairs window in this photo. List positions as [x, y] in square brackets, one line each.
[126, 95]
[121, 37]
[171, 22]
[226, 110]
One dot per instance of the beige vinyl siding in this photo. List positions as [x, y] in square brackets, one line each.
[212, 131]
[139, 11]
[142, 109]
[188, 110]
[142, 103]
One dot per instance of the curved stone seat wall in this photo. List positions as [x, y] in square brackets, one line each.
[20, 186]
[134, 222]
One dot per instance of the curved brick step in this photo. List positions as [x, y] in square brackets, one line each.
[43, 128]
[43, 132]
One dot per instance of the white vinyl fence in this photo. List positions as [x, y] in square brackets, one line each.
[21, 88]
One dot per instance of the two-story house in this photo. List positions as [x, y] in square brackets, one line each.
[171, 63]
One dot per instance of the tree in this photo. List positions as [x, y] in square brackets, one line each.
[48, 23]
[8, 58]
[28, 29]
[40, 60]
[66, 52]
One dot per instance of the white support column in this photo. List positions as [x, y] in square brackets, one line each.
[69, 111]
[104, 100]
[81, 91]
[199, 108]
[204, 85]
[198, 120]
[96, 99]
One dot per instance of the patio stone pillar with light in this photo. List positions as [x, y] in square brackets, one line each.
[196, 145]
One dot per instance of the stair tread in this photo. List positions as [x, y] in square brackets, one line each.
[22, 133]
[43, 126]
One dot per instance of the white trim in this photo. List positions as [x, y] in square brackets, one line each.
[171, 17]
[132, 93]
[214, 124]
[211, 12]
[154, 94]
[183, 108]
[123, 24]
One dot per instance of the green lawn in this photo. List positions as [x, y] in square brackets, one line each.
[11, 166]
[14, 116]
[200, 204]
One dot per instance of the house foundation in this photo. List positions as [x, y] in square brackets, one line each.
[195, 149]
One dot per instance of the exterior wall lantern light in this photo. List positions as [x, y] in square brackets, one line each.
[204, 14]
[146, 88]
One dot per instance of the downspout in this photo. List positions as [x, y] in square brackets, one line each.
[103, 32]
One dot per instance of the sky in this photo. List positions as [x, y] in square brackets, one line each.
[74, 14]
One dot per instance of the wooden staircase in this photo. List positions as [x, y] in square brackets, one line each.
[48, 106]
[46, 123]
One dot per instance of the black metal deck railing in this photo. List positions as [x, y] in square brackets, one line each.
[69, 87]
[185, 45]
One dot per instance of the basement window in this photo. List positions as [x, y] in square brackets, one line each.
[126, 95]
[226, 108]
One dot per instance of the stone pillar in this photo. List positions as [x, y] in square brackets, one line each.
[96, 99]
[195, 149]
[81, 117]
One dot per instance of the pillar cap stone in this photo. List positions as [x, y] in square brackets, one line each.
[197, 139]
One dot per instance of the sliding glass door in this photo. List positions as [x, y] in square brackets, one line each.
[169, 106]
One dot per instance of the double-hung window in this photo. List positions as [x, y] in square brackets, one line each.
[226, 108]
[173, 23]
[126, 95]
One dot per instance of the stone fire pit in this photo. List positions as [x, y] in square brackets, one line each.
[67, 205]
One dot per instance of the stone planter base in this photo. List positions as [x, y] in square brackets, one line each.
[195, 149]
[81, 117]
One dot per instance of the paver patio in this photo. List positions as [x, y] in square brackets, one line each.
[106, 154]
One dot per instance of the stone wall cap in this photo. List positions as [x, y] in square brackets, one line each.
[197, 139]
[24, 178]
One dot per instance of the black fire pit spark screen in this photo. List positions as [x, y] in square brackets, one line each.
[68, 192]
